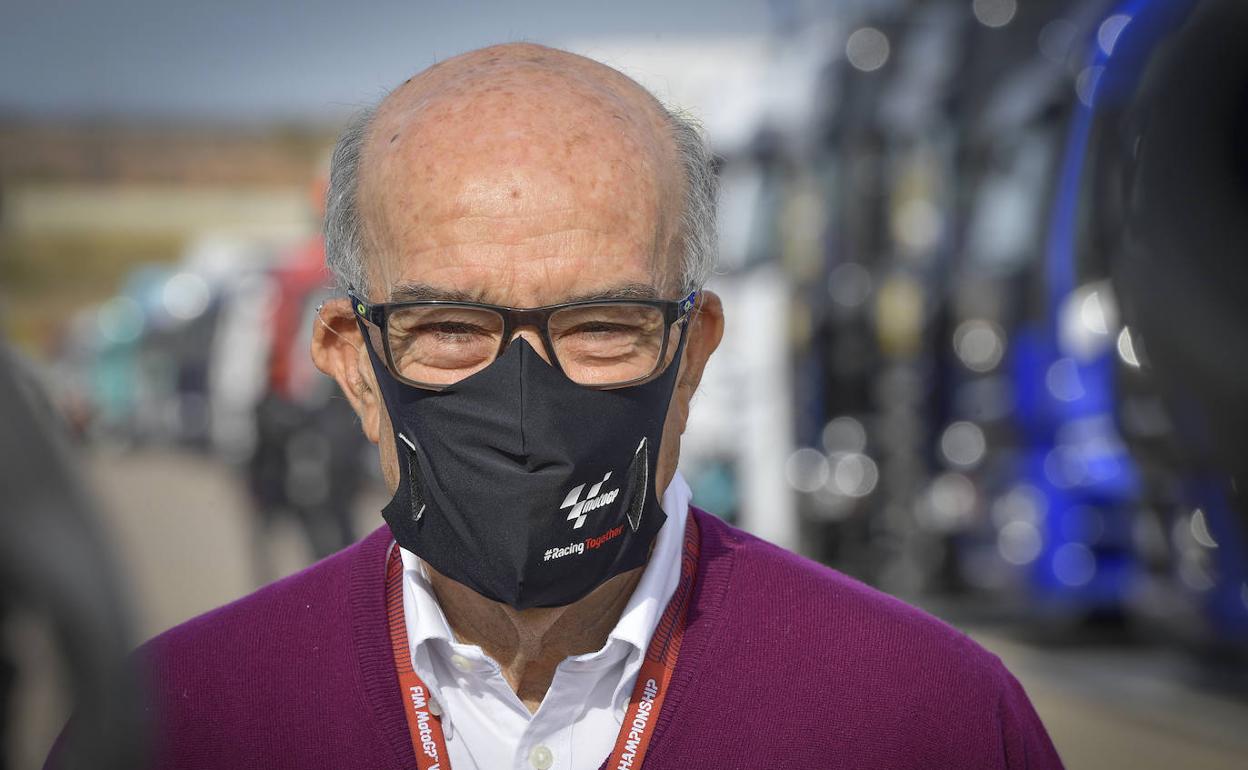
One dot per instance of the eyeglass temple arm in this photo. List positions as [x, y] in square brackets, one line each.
[687, 303]
[363, 309]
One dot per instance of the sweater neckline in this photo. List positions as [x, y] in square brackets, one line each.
[370, 634]
[716, 564]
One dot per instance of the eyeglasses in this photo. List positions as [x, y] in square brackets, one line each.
[606, 343]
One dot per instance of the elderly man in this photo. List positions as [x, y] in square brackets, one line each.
[523, 235]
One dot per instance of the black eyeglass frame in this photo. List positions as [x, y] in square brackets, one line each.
[377, 316]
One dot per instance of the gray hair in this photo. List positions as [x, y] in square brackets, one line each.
[344, 227]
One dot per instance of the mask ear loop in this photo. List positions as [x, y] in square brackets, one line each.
[331, 329]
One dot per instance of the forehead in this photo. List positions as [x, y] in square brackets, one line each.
[521, 188]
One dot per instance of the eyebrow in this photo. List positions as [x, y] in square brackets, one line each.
[423, 292]
[420, 292]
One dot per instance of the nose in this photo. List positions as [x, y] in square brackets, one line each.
[531, 336]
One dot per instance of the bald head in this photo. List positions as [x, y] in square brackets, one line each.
[515, 68]
[508, 163]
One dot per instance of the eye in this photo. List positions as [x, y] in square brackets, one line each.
[452, 329]
[441, 325]
[602, 328]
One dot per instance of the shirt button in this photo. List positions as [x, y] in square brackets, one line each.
[541, 758]
[460, 662]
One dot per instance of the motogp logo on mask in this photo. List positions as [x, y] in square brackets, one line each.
[592, 501]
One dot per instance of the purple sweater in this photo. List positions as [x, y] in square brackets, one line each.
[785, 664]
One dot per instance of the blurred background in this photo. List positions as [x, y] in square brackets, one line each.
[984, 349]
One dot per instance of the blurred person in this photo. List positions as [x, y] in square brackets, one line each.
[1163, 191]
[306, 459]
[56, 568]
[524, 235]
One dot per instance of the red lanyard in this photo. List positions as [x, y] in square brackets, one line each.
[425, 726]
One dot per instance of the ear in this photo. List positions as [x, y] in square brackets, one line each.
[706, 329]
[338, 350]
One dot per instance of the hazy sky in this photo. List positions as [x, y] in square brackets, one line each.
[292, 59]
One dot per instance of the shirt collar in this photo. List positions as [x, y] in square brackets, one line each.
[662, 574]
[426, 621]
[640, 616]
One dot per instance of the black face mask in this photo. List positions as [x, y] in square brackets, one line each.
[522, 485]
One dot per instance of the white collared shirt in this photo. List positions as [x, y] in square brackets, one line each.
[487, 727]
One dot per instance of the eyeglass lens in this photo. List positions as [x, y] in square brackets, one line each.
[594, 344]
